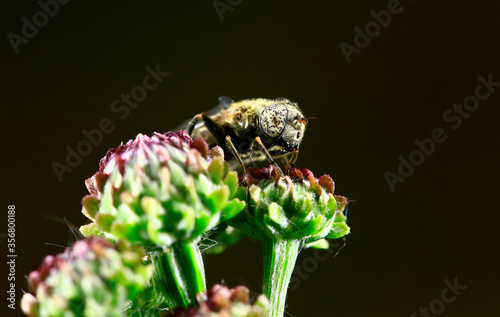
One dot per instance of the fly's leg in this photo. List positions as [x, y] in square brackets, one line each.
[282, 155]
[211, 126]
[216, 131]
[295, 155]
[192, 123]
[223, 140]
[290, 165]
[293, 159]
[232, 149]
[268, 156]
[251, 159]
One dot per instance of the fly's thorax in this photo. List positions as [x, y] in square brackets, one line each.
[243, 122]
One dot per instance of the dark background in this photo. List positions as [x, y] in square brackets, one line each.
[439, 224]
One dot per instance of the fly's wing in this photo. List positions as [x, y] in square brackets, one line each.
[224, 103]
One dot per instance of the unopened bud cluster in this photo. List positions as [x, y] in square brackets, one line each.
[93, 278]
[298, 206]
[159, 189]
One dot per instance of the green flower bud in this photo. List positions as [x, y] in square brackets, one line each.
[160, 189]
[164, 192]
[288, 213]
[298, 207]
[93, 278]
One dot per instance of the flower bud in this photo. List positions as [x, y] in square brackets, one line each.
[298, 206]
[160, 189]
[93, 278]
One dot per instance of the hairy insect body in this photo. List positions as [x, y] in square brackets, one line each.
[253, 131]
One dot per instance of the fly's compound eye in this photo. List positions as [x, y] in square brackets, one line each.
[272, 120]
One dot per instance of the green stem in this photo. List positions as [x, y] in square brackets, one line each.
[180, 274]
[280, 256]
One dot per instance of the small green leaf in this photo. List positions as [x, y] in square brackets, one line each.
[257, 195]
[218, 199]
[339, 229]
[125, 231]
[322, 244]
[232, 208]
[277, 215]
[231, 181]
[216, 169]
[177, 175]
[91, 206]
[105, 221]
[92, 229]
[152, 207]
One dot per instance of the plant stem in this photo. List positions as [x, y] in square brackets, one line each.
[280, 256]
[179, 274]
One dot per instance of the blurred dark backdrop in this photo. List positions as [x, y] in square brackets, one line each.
[440, 223]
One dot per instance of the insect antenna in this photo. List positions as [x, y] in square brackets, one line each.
[72, 228]
[55, 245]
